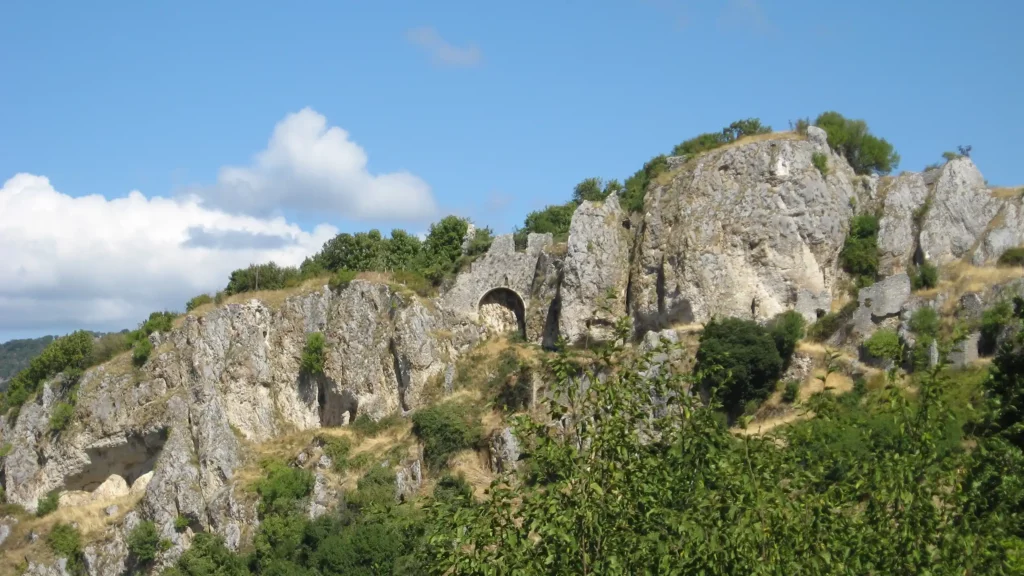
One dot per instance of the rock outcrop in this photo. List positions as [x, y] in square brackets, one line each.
[746, 231]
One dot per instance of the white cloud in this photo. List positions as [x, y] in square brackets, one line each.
[311, 168]
[441, 51]
[106, 263]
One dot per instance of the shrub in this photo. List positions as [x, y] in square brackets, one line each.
[700, 143]
[859, 255]
[444, 429]
[267, 276]
[375, 487]
[141, 351]
[993, 322]
[442, 248]
[208, 556]
[791, 391]
[820, 162]
[66, 542]
[336, 448]
[850, 138]
[632, 195]
[480, 242]
[144, 542]
[367, 427]
[552, 220]
[450, 488]
[341, 279]
[924, 276]
[512, 383]
[828, 324]
[69, 353]
[61, 416]
[885, 344]
[1012, 257]
[47, 504]
[283, 489]
[181, 523]
[414, 281]
[925, 322]
[313, 354]
[108, 346]
[800, 126]
[198, 301]
[787, 329]
[737, 360]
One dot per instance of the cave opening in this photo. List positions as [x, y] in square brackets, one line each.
[129, 460]
[502, 310]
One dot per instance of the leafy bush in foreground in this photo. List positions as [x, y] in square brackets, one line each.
[444, 429]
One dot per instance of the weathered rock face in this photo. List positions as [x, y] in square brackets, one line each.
[960, 212]
[879, 302]
[171, 431]
[902, 198]
[748, 231]
[596, 271]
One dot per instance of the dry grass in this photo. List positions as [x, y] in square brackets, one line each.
[90, 519]
[961, 278]
[1007, 192]
[475, 468]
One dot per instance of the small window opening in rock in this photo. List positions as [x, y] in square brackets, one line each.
[502, 310]
[820, 313]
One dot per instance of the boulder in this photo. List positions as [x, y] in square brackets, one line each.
[880, 301]
[114, 487]
[902, 199]
[504, 450]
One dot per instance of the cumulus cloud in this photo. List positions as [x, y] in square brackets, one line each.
[441, 51]
[106, 263]
[310, 167]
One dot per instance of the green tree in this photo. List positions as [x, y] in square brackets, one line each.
[443, 247]
[444, 429]
[632, 195]
[552, 220]
[859, 255]
[283, 489]
[208, 556]
[787, 329]
[61, 416]
[402, 250]
[591, 189]
[738, 361]
[198, 301]
[850, 138]
[314, 354]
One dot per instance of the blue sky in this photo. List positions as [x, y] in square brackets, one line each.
[498, 109]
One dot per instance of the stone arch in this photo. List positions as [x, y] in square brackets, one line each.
[503, 310]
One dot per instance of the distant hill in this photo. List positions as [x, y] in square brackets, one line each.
[16, 354]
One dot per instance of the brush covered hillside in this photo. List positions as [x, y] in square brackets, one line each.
[760, 354]
[16, 354]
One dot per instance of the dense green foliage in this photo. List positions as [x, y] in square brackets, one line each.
[141, 351]
[787, 329]
[313, 354]
[198, 301]
[712, 140]
[877, 483]
[865, 152]
[859, 255]
[1012, 257]
[47, 504]
[738, 362]
[181, 523]
[16, 354]
[552, 220]
[336, 448]
[283, 489]
[444, 429]
[341, 279]
[66, 542]
[830, 323]
[820, 162]
[67, 354]
[632, 195]
[885, 345]
[61, 416]
[925, 322]
[144, 542]
[791, 391]
[924, 276]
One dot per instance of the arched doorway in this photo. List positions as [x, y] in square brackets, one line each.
[502, 310]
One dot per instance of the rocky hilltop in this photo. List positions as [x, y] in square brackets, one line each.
[747, 230]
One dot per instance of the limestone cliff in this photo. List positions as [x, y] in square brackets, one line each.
[748, 230]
